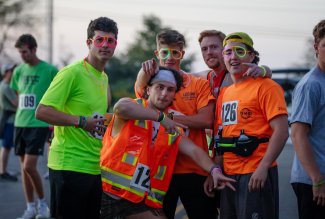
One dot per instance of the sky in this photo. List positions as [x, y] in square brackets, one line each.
[279, 28]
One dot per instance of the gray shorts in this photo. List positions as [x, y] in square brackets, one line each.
[243, 204]
[112, 208]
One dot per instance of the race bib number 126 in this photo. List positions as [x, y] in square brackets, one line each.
[229, 112]
[27, 101]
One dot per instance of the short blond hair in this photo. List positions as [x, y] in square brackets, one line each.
[207, 33]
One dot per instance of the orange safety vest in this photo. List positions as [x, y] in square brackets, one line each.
[134, 169]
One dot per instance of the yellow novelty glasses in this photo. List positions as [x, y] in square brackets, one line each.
[165, 53]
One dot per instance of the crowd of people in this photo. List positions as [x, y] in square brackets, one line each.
[153, 151]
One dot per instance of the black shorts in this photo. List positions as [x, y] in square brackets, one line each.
[30, 140]
[112, 208]
[75, 195]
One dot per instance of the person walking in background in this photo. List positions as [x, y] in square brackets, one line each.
[8, 105]
[75, 103]
[30, 80]
[308, 135]
[139, 152]
[194, 107]
[252, 118]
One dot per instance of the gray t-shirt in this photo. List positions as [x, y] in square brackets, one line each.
[7, 94]
[308, 106]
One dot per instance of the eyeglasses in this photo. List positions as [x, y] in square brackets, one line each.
[99, 41]
[238, 50]
[165, 53]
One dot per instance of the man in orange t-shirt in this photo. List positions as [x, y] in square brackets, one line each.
[196, 104]
[254, 124]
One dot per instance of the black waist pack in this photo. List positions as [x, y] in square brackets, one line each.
[241, 146]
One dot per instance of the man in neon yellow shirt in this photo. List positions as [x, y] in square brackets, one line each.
[75, 104]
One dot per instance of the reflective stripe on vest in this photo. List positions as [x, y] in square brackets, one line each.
[160, 172]
[129, 158]
[156, 195]
[141, 123]
[119, 180]
[123, 181]
[172, 138]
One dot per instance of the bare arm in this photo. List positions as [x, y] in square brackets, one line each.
[197, 154]
[122, 109]
[277, 141]
[54, 117]
[202, 120]
[258, 71]
[303, 148]
[149, 69]
[109, 97]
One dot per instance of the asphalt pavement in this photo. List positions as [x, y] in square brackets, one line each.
[12, 202]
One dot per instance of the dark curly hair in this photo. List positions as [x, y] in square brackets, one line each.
[103, 24]
[26, 39]
[170, 37]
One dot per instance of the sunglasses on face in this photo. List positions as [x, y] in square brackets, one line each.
[166, 53]
[100, 41]
[238, 50]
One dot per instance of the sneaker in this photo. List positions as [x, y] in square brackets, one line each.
[43, 211]
[28, 214]
[8, 177]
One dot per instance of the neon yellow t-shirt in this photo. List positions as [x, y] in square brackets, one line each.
[78, 89]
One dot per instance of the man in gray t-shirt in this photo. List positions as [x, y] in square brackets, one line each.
[308, 135]
[8, 105]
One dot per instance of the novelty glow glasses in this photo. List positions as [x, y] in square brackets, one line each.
[165, 53]
[100, 41]
[238, 50]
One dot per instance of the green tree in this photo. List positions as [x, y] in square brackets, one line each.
[123, 69]
[14, 18]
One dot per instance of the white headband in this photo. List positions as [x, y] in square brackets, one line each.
[164, 75]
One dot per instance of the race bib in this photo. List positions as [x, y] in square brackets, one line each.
[141, 177]
[27, 101]
[229, 112]
[95, 134]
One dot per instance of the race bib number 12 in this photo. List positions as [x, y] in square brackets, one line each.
[141, 177]
[27, 101]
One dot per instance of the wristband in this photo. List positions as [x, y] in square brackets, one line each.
[82, 122]
[171, 115]
[322, 182]
[216, 168]
[161, 117]
[264, 70]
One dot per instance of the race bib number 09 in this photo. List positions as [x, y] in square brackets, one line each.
[229, 113]
[27, 101]
[141, 177]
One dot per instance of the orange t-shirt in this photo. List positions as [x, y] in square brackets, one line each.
[249, 105]
[195, 95]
